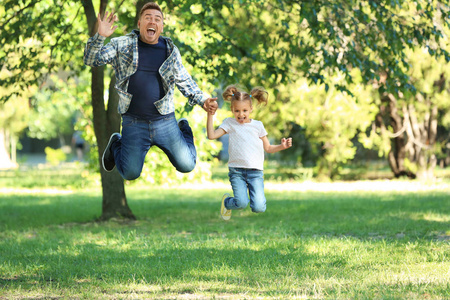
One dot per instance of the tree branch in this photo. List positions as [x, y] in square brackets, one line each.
[16, 14]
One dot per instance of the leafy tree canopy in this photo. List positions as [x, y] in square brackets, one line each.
[277, 42]
[255, 41]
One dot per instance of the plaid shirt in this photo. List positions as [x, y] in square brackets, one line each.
[122, 54]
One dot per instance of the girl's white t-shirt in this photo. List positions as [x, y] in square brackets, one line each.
[245, 147]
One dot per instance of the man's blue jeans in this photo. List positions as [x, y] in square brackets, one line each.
[139, 135]
[246, 182]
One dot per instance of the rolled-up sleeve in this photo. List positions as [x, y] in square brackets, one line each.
[185, 83]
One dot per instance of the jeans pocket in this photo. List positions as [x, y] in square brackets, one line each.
[127, 121]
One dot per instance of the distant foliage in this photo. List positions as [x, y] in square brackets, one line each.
[55, 156]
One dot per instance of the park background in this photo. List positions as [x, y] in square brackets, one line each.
[358, 207]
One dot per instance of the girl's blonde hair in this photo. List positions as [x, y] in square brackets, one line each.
[234, 93]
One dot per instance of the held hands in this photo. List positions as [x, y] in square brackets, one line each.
[210, 105]
[286, 143]
[105, 26]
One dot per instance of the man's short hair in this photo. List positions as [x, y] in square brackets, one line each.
[150, 5]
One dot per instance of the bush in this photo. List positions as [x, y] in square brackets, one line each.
[55, 156]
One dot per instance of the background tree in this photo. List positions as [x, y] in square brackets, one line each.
[331, 119]
[106, 120]
[47, 35]
[411, 122]
[13, 120]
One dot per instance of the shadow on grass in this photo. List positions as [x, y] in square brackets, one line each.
[28, 211]
[153, 262]
[312, 213]
[270, 268]
[363, 214]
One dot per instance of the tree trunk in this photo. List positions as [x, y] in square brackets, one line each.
[413, 140]
[106, 121]
[399, 145]
[5, 159]
[114, 199]
[139, 5]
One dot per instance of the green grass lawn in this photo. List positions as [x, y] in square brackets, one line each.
[308, 244]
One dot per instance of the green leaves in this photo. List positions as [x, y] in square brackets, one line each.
[39, 37]
[277, 38]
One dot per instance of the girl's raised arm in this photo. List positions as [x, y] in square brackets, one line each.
[285, 143]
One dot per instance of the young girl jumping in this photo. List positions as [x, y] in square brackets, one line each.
[247, 142]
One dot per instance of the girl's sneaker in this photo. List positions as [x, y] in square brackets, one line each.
[224, 212]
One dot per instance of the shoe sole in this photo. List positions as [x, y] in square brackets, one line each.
[104, 152]
[222, 207]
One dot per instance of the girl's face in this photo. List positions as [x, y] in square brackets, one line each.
[242, 110]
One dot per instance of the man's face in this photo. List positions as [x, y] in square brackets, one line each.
[150, 26]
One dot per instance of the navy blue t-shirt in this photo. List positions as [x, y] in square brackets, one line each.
[146, 84]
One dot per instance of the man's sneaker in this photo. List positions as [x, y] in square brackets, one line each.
[182, 121]
[224, 212]
[108, 156]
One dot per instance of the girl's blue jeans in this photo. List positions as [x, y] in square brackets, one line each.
[138, 136]
[245, 183]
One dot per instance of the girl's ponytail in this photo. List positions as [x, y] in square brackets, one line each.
[230, 92]
[260, 94]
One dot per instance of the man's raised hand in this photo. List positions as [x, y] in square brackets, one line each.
[105, 26]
